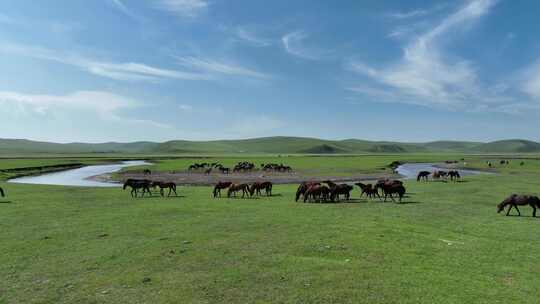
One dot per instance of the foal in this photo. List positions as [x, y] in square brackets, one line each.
[514, 200]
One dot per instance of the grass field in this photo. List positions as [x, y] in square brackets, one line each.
[445, 244]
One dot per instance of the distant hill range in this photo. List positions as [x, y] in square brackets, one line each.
[274, 145]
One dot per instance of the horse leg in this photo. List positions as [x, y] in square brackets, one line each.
[508, 211]
[534, 209]
[519, 213]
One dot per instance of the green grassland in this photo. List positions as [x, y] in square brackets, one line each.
[444, 244]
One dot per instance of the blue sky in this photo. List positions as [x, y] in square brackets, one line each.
[119, 70]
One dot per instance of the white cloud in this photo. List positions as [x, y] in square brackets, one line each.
[294, 44]
[125, 10]
[105, 105]
[185, 107]
[184, 8]
[531, 81]
[409, 14]
[212, 66]
[250, 36]
[129, 71]
[426, 75]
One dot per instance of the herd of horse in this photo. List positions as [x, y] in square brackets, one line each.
[438, 174]
[243, 166]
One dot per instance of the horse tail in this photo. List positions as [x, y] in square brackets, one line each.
[215, 191]
[2, 193]
[418, 177]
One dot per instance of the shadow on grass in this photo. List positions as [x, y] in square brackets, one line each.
[6, 202]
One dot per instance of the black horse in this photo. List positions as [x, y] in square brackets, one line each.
[136, 184]
[423, 175]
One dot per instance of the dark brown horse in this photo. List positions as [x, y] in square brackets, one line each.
[236, 188]
[341, 189]
[303, 187]
[2, 193]
[454, 175]
[423, 176]
[368, 190]
[515, 200]
[258, 186]
[165, 185]
[317, 192]
[219, 186]
[386, 182]
[389, 189]
[136, 184]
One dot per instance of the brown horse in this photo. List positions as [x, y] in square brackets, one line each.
[515, 200]
[258, 186]
[389, 189]
[219, 186]
[303, 187]
[236, 188]
[454, 175]
[368, 190]
[165, 185]
[341, 189]
[386, 182]
[2, 193]
[423, 176]
[317, 192]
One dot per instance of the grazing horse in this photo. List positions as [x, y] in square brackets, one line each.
[514, 200]
[304, 186]
[385, 182]
[165, 185]
[317, 192]
[2, 193]
[341, 189]
[423, 175]
[390, 188]
[136, 184]
[369, 190]
[236, 188]
[224, 170]
[258, 186]
[219, 186]
[454, 175]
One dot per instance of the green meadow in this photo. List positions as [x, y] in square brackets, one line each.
[444, 244]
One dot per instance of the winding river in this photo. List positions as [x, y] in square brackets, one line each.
[81, 177]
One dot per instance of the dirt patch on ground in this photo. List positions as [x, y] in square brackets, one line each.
[185, 178]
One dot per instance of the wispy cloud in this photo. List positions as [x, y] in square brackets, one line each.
[184, 8]
[105, 105]
[293, 43]
[127, 71]
[118, 4]
[252, 37]
[416, 12]
[209, 66]
[427, 75]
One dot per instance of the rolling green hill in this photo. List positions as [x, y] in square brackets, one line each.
[274, 145]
